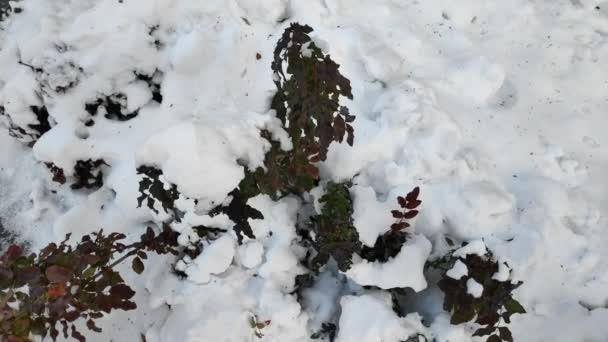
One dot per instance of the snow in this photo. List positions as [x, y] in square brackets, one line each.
[215, 259]
[477, 247]
[496, 109]
[383, 326]
[458, 271]
[503, 272]
[474, 288]
[404, 270]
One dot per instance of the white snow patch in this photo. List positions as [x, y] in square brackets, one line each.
[358, 324]
[458, 271]
[215, 259]
[406, 269]
[474, 288]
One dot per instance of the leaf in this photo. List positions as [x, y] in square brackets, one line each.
[396, 214]
[56, 291]
[91, 325]
[413, 204]
[122, 291]
[462, 314]
[88, 273]
[137, 265]
[401, 201]
[413, 195]
[514, 307]
[77, 335]
[13, 251]
[494, 338]
[399, 225]
[57, 274]
[410, 214]
[484, 331]
[505, 334]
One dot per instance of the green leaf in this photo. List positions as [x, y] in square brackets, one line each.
[462, 315]
[514, 307]
[137, 265]
[88, 273]
[505, 334]
[494, 338]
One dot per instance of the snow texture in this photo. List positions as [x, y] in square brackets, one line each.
[496, 109]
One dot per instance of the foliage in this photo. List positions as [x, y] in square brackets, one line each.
[239, 212]
[389, 244]
[29, 133]
[307, 102]
[62, 283]
[87, 174]
[153, 188]
[493, 309]
[335, 235]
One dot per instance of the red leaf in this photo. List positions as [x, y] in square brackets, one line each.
[401, 201]
[57, 274]
[397, 213]
[399, 225]
[122, 291]
[413, 195]
[339, 128]
[14, 251]
[313, 171]
[413, 204]
[56, 291]
[410, 214]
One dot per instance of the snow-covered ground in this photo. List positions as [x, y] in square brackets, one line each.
[497, 109]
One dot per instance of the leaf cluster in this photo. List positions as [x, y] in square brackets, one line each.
[335, 234]
[493, 309]
[239, 212]
[44, 294]
[307, 102]
[153, 188]
[389, 244]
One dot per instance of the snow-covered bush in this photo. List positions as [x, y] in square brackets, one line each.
[307, 102]
[478, 288]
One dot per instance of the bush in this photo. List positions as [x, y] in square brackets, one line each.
[62, 284]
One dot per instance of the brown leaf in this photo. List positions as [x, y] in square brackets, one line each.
[397, 213]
